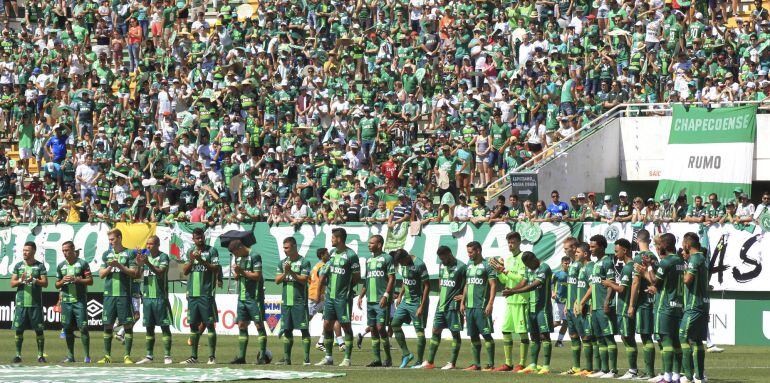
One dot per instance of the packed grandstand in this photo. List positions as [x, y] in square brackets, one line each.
[332, 111]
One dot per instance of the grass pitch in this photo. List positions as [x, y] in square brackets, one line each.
[736, 364]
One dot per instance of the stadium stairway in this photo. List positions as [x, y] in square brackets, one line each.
[578, 148]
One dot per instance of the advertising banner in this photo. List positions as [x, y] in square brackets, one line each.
[51, 314]
[91, 239]
[710, 150]
[738, 256]
[753, 318]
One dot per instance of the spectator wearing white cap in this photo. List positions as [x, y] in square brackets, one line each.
[623, 211]
[608, 210]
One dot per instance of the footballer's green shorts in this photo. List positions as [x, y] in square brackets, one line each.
[586, 324]
[28, 318]
[407, 313]
[338, 309]
[376, 315]
[626, 325]
[200, 310]
[214, 309]
[250, 310]
[694, 326]
[156, 312]
[449, 319]
[573, 323]
[117, 308]
[667, 322]
[645, 321]
[294, 317]
[516, 318]
[540, 322]
[73, 314]
[603, 323]
[477, 323]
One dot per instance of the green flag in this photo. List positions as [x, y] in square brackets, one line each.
[709, 151]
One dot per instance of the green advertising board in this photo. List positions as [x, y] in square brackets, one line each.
[752, 322]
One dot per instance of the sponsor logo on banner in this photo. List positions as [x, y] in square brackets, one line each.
[51, 314]
[722, 321]
[94, 311]
[752, 317]
[612, 234]
[177, 311]
[273, 313]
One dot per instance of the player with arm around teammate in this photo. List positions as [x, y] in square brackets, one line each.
[693, 329]
[538, 285]
[412, 303]
[478, 301]
[510, 272]
[665, 282]
[73, 276]
[451, 284]
[340, 275]
[641, 303]
[379, 281]
[622, 287]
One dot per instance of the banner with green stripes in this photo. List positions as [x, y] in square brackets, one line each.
[710, 150]
[544, 239]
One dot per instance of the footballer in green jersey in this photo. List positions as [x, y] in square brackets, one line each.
[340, 275]
[603, 306]
[538, 285]
[293, 274]
[118, 270]
[626, 324]
[29, 278]
[569, 320]
[247, 269]
[412, 304]
[156, 309]
[693, 329]
[559, 291]
[478, 301]
[452, 275]
[379, 279]
[641, 302]
[666, 282]
[73, 276]
[582, 310]
[201, 269]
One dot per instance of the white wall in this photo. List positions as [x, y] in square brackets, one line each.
[583, 168]
[643, 147]
[632, 147]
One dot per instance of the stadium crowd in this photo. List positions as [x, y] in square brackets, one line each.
[323, 110]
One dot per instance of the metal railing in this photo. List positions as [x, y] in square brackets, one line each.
[548, 154]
